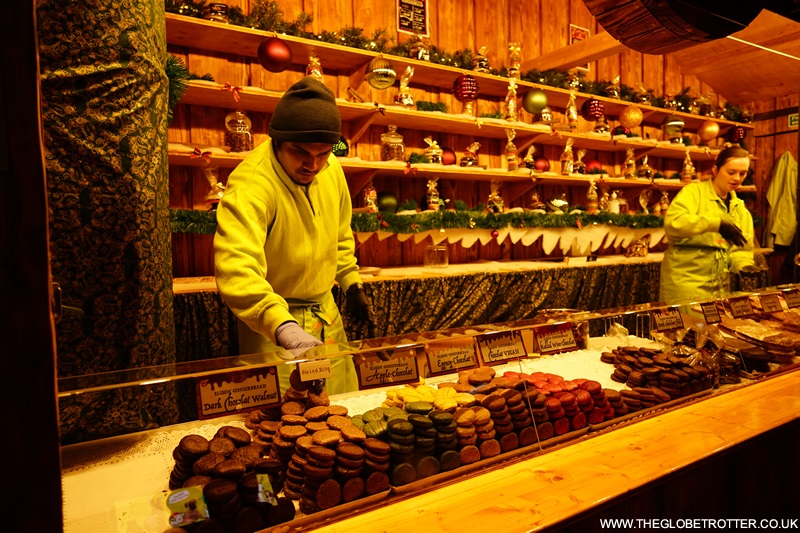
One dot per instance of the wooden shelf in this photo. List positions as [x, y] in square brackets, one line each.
[255, 99]
[243, 42]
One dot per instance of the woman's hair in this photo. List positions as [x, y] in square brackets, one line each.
[730, 151]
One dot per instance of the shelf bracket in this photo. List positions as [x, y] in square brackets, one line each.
[361, 125]
[515, 191]
[356, 181]
[357, 76]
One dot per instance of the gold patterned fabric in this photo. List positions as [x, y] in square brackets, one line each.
[104, 112]
[428, 304]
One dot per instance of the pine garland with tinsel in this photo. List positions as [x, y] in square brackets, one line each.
[178, 76]
[431, 106]
[205, 222]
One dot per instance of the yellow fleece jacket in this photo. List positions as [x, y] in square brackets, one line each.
[698, 261]
[278, 241]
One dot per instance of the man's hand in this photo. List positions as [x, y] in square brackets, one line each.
[357, 304]
[732, 233]
[291, 336]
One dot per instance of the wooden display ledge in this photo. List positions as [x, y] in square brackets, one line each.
[547, 490]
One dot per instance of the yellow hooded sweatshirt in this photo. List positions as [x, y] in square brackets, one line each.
[278, 249]
[699, 260]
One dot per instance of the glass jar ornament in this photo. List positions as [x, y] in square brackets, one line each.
[514, 58]
[432, 194]
[465, 90]
[512, 163]
[381, 73]
[392, 147]
[404, 96]
[511, 101]
[470, 158]
[217, 189]
[672, 126]
[579, 167]
[216, 12]
[592, 199]
[495, 204]
[602, 203]
[545, 117]
[592, 109]
[314, 68]
[630, 164]
[613, 203]
[370, 196]
[433, 152]
[687, 169]
[644, 171]
[480, 63]
[567, 158]
[572, 113]
[237, 131]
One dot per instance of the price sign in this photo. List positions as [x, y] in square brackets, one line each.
[668, 319]
[741, 307]
[311, 370]
[448, 356]
[792, 297]
[399, 366]
[501, 347]
[711, 312]
[555, 338]
[240, 391]
[770, 303]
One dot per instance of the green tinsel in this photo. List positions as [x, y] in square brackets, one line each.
[417, 157]
[204, 77]
[431, 106]
[495, 114]
[178, 76]
[407, 205]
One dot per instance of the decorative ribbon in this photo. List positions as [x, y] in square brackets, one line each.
[234, 90]
[409, 168]
[197, 153]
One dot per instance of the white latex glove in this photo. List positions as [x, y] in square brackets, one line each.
[291, 336]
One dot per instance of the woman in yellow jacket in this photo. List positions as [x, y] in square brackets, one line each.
[710, 233]
[283, 237]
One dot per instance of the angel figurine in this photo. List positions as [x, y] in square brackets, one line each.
[687, 171]
[528, 161]
[404, 96]
[470, 158]
[591, 198]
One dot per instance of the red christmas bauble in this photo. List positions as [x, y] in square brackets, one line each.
[592, 109]
[495, 234]
[541, 163]
[274, 54]
[593, 164]
[735, 134]
[448, 156]
[465, 88]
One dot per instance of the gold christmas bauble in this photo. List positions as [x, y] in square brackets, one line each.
[708, 131]
[631, 117]
[381, 73]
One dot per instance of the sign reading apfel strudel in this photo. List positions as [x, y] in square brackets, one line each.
[501, 347]
[240, 391]
[451, 355]
[389, 367]
[555, 338]
[667, 319]
[770, 303]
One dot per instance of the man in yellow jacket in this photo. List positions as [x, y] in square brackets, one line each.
[283, 237]
[710, 233]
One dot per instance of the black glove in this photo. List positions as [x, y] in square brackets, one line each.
[732, 233]
[357, 304]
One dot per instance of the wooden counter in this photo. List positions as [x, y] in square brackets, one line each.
[581, 477]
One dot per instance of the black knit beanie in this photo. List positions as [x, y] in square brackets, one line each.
[306, 113]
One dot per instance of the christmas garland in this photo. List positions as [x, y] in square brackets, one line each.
[205, 222]
[266, 15]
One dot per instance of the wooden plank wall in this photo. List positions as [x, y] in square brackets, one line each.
[540, 25]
